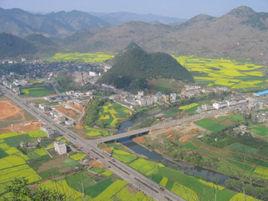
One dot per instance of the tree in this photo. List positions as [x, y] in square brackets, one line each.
[19, 190]
[46, 195]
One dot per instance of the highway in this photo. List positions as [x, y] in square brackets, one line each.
[134, 178]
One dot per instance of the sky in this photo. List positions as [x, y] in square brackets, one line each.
[173, 8]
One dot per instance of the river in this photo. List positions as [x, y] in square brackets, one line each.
[203, 173]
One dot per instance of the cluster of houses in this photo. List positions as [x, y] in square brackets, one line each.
[56, 115]
[241, 103]
[58, 98]
[30, 145]
[13, 61]
[189, 91]
[158, 98]
[260, 117]
[241, 130]
[141, 99]
[85, 77]
[78, 94]
[106, 67]
[69, 95]
[12, 86]
[229, 103]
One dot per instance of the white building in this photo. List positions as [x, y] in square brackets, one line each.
[92, 74]
[60, 148]
[69, 122]
[173, 98]
[42, 107]
[218, 106]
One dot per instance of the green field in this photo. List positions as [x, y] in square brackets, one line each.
[224, 72]
[37, 90]
[262, 171]
[190, 108]
[188, 187]
[97, 57]
[96, 132]
[241, 197]
[124, 156]
[78, 156]
[260, 130]
[220, 123]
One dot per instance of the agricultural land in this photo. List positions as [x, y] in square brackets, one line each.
[224, 72]
[97, 57]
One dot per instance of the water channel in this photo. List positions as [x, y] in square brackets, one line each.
[203, 173]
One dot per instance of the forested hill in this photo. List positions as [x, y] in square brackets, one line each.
[134, 67]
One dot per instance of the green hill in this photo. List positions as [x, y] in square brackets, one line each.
[134, 67]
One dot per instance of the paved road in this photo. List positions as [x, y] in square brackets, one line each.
[90, 147]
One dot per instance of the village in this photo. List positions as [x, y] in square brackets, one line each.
[68, 99]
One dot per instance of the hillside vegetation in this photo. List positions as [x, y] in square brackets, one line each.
[11, 46]
[134, 67]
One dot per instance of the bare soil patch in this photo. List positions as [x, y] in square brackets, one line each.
[68, 112]
[96, 164]
[24, 127]
[56, 163]
[139, 140]
[183, 133]
[9, 110]
[76, 106]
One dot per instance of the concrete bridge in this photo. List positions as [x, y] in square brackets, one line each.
[133, 133]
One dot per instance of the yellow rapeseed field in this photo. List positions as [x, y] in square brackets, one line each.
[225, 72]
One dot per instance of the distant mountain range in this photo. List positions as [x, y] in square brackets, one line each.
[60, 24]
[240, 34]
[118, 18]
[56, 24]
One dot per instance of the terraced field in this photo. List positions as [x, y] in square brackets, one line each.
[97, 57]
[224, 72]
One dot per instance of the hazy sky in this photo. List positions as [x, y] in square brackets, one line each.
[176, 8]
